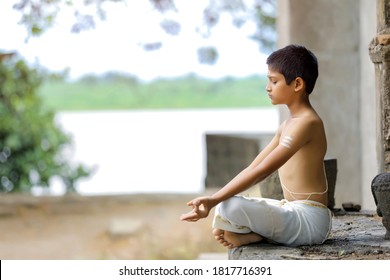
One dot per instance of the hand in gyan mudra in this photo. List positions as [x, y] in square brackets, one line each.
[200, 209]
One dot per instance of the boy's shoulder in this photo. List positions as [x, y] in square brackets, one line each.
[308, 122]
[309, 117]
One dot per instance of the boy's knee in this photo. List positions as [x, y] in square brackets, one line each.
[231, 207]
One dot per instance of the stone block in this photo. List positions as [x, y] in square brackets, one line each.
[331, 177]
[271, 187]
[228, 155]
[381, 191]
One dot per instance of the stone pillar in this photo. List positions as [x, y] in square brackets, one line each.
[367, 103]
[379, 51]
[330, 28]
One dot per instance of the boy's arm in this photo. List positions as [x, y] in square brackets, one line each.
[277, 153]
[268, 149]
[268, 161]
[201, 206]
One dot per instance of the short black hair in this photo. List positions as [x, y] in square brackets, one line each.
[295, 61]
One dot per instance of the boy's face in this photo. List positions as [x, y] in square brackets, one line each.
[278, 91]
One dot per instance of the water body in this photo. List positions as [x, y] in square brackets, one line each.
[160, 151]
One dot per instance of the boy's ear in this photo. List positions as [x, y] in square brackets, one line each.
[299, 84]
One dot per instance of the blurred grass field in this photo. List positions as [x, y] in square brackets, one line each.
[126, 93]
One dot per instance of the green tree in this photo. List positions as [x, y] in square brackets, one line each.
[31, 145]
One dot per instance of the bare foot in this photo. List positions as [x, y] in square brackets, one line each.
[232, 240]
[219, 236]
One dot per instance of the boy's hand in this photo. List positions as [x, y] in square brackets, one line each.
[201, 207]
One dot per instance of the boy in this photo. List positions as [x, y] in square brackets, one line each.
[297, 151]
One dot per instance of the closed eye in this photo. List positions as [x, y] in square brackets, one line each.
[272, 79]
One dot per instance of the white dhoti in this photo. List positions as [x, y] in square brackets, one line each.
[292, 223]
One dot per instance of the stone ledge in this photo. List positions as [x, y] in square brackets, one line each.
[357, 235]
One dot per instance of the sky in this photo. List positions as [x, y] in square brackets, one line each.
[116, 43]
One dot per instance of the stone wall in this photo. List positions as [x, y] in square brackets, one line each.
[380, 56]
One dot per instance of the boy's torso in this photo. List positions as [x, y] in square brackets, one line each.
[304, 171]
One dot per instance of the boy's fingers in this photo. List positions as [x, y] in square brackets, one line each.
[197, 201]
[184, 217]
[193, 202]
[191, 217]
[189, 203]
[197, 210]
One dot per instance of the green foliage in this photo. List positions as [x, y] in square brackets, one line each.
[31, 144]
[120, 93]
